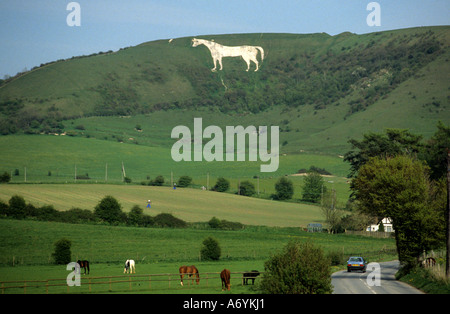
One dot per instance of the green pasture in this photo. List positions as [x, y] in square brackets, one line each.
[25, 253]
[59, 159]
[191, 205]
[163, 278]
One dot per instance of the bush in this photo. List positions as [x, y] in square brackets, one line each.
[135, 216]
[184, 181]
[336, 258]
[78, 215]
[168, 220]
[159, 181]
[222, 185]
[284, 188]
[246, 188]
[214, 223]
[211, 250]
[5, 177]
[301, 268]
[109, 210]
[62, 253]
[17, 207]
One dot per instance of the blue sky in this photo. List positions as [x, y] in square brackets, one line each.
[34, 32]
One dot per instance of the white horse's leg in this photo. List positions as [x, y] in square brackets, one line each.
[215, 66]
[254, 58]
[247, 60]
[257, 65]
[220, 62]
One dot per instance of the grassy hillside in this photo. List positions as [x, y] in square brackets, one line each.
[192, 205]
[319, 89]
[54, 159]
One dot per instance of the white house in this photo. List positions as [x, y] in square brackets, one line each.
[387, 223]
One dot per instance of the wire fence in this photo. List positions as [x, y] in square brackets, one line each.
[122, 283]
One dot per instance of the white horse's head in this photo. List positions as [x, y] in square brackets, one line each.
[195, 42]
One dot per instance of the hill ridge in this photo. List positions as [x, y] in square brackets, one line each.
[319, 80]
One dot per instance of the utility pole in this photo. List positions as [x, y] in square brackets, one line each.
[447, 262]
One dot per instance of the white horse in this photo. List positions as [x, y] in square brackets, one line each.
[129, 267]
[248, 53]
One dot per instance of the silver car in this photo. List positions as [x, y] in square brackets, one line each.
[356, 263]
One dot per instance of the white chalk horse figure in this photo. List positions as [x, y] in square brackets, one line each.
[129, 267]
[218, 51]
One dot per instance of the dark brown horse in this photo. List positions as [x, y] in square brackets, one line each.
[250, 275]
[189, 271]
[84, 264]
[225, 276]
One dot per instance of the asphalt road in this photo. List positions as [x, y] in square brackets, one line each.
[358, 282]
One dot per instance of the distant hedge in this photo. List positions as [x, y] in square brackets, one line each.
[17, 208]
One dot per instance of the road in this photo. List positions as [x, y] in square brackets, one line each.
[356, 282]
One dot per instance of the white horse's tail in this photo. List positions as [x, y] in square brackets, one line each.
[262, 52]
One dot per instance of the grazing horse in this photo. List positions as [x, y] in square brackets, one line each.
[84, 264]
[129, 267]
[189, 271]
[225, 276]
[218, 51]
[250, 275]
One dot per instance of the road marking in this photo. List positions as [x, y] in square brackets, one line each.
[365, 282]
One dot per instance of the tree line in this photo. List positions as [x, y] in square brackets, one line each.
[107, 211]
[398, 175]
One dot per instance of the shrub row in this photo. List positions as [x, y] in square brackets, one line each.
[17, 208]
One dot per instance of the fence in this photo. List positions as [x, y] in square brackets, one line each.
[374, 234]
[120, 283]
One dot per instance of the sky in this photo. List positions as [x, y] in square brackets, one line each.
[33, 32]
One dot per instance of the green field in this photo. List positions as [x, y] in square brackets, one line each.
[158, 251]
[192, 205]
[54, 159]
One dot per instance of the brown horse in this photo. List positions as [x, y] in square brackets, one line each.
[189, 271]
[225, 276]
[84, 264]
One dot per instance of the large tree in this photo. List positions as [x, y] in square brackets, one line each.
[399, 188]
[313, 187]
[392, 143]
[435, 151]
